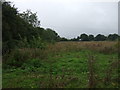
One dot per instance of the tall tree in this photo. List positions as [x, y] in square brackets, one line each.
[31, 18]
[100, 37]
[84, 37]
[50, 35]
[17, 26]
[112, 37]
[91, 37]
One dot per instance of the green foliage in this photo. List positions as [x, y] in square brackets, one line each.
[65, 70]
[30, 18]
[31, 65]
[15, 58]
[33, 43]
[36, 43]
[63, 39]
[50, 35]
[22, 30]
[84, 37]
[100, 37]
[112, 37]
[74, 39]
[91, 38]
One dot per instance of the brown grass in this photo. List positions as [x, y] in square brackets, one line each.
[60, 47]
[102, 46]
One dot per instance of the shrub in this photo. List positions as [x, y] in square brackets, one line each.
[18, 57]
[33, 43]
[15, 58]
[31, 64]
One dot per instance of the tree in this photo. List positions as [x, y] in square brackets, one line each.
[91, 37]
[78, 38]
[112, 37]
[31, 18]
[50, 35]
[10, 26]
[17, 26]
[74, 39]
[84, 37]
[100, 37]
[63, 39]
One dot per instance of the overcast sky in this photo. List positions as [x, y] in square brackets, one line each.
[70, 18]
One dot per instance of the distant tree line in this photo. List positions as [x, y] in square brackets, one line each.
[99, 37]
[23, 30]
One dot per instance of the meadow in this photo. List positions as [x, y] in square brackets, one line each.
[63, 65]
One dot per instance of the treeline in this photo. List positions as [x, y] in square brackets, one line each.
[22, 30]
[99, 37]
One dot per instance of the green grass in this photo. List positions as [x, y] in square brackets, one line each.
[63, 70]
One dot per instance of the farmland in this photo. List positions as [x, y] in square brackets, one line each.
[63, 65]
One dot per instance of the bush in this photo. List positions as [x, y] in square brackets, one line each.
[31, 64]
[15, 58]
[33, 43]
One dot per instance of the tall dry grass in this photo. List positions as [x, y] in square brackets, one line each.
[20, 55]
[101, 46]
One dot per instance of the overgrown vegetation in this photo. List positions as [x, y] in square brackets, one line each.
[63, 66]
[23, 28]
[33, 57]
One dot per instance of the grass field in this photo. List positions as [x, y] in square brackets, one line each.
[63, 65]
